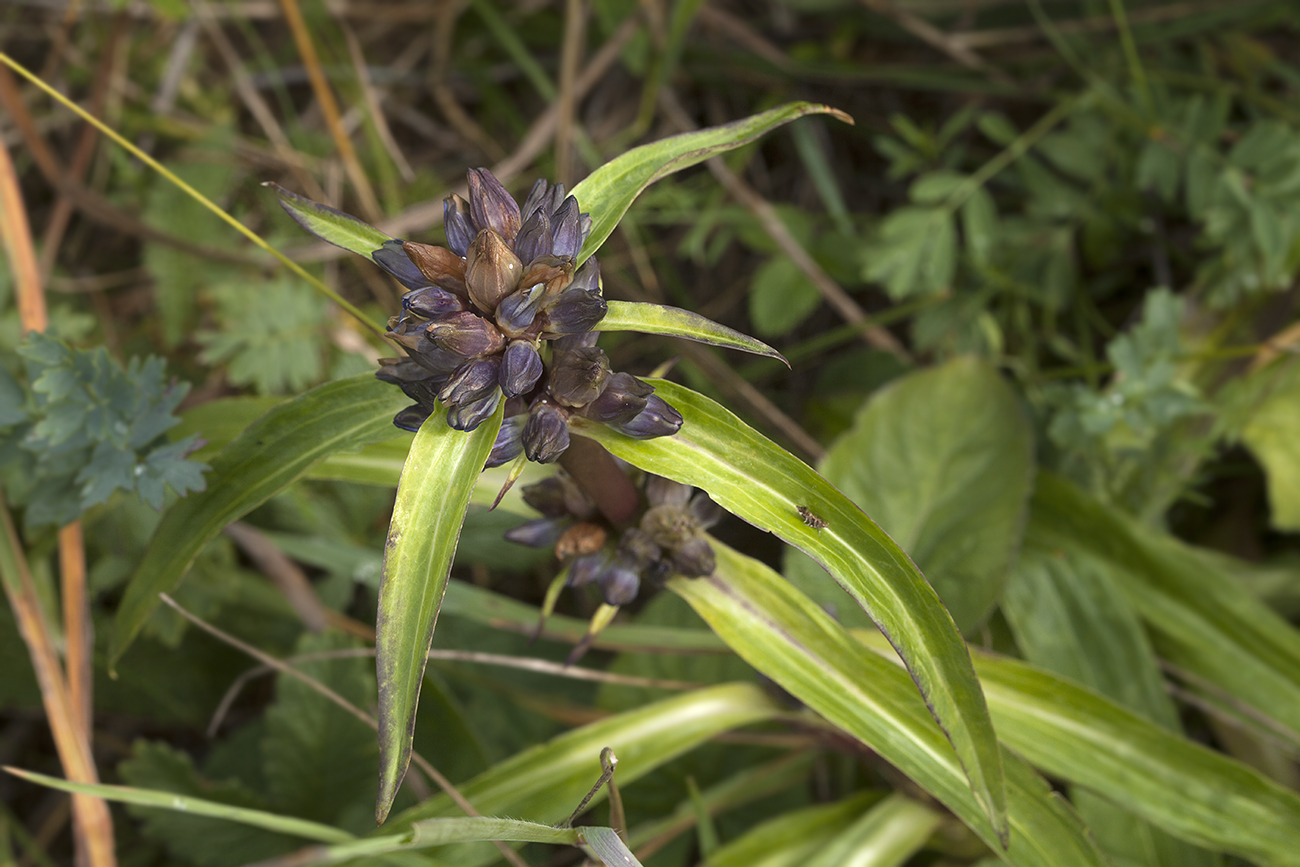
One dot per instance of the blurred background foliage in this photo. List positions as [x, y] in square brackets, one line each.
[1100, 199]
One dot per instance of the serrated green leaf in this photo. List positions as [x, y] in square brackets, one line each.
[607, 192]
[792, 640]
[979, 225]
[329, 224]
[781, 296]
[751, 477]
[274, 451]
[432, 496]
[675, 322]
[913, 252]
[942, 459]
[271, 336]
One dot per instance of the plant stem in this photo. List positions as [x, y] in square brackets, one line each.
[600, 477]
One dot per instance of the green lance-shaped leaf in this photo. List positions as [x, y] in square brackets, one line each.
[328, 224]
[432, 496]
[789, 638]
[607, 192]
[195, 806]
[750, 476]
[793, 837]
[676, 322]
[1190, 791]
[887, 835]
[270, 454]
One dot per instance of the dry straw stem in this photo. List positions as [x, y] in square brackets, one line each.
[69, 715]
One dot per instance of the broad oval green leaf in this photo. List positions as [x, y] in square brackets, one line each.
[750, 476]
[1190, 791]
[195, 806]
[329, 224]
[607, 192]
[676, 322]
[271, 453]
[788, 637]
[432, 497]
[943, 461]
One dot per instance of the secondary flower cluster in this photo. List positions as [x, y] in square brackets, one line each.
[478, 314]
[667, 539]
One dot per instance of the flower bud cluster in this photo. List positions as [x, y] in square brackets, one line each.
[667, 538]
[477, 315]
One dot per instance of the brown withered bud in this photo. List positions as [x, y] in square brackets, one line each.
[439, 265]
[553, 272]
[466, 334]
[492, 270]
[491, 206]
[580, 539]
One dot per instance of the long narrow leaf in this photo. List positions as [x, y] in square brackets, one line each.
[753, 478]
[676, 322]
[887, 835]
[437, 481]
[262, 461]
[607, 192]
[328, 224]
[195, 806]
[784, 634]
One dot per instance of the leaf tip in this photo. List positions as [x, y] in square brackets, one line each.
[841, 116]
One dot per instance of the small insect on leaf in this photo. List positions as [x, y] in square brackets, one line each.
[811, 518]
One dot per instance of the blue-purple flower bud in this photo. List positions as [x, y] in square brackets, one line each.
[546, 433]
[623, 398]
[619, 583]
[587, 277]
[466, 334]
[412, 417]
[705, 512]
[638, 548]
[521, 367]
[508, 444]
[578, 377]
[393, 259]
[588, 568]
[491, 205]
[540, 533]
[492, 270]
[658, 419]
[471, 381]
[660, 491]
[695, 558]
[564, 229]
[458, 224]
[574, 312]
[468, 416]
[548, 497]
[517, 311]
[432, 302]
[534, 238]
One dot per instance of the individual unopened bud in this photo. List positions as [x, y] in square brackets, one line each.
[423, 391]
[564, 229]
[466, 334]
[574, 312]
[412, 417]
[570, 342]
[534, 238]
[399, 370]
[705, 511]
[584, 228]
[468, 416]
[660, 491]
[471, 381]
[521, 367]
[695, 559]
[407, 332]
[458, 224]
[547, 496]
[619, 583]
[432, 302]
[546, 434]
[554, 272]
[537, 196]
[438, 265]
[623, 398]
[394, 260]
[580, 539]
[541, 533]
[492, 270]
[578, 377]
[588, 568]
[658, 419]
[491, 205]
[587, 277]
[637, 546]
[509, 443]
[518, 310]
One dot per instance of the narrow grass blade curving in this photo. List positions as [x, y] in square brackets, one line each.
[676, 322]
[788, 637]
[194, 806]
[270, 454]
[750, 476]
[607, 192]
[328, 224]
[432, 496]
